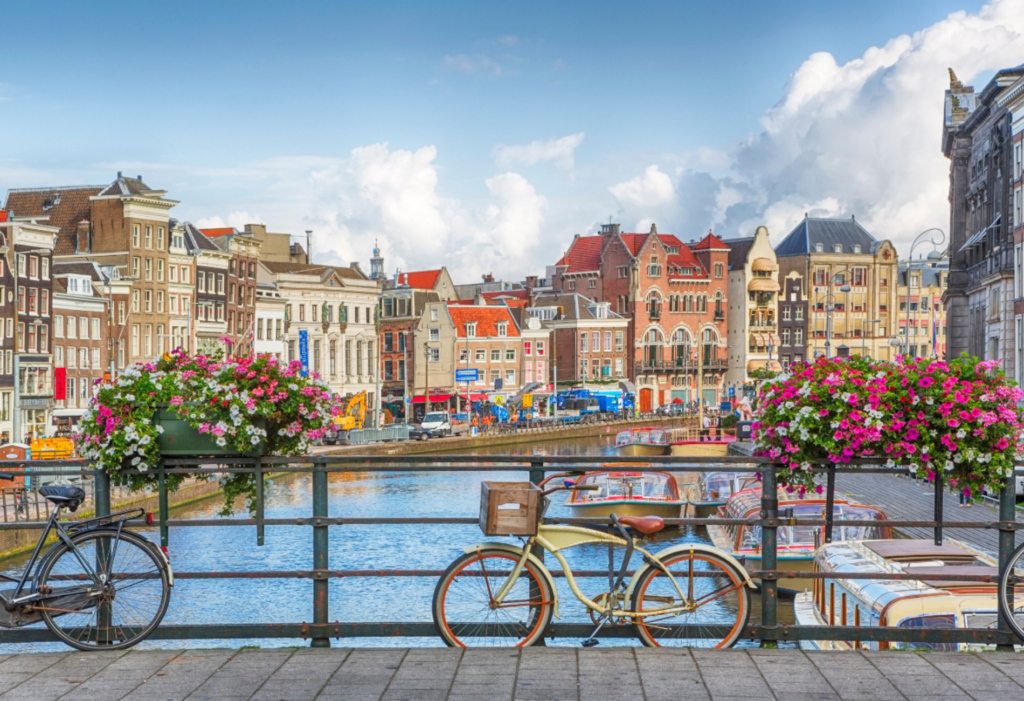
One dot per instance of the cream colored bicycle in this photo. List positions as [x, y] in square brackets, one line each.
[689, 595]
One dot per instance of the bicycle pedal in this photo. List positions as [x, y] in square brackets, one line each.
[591, 642]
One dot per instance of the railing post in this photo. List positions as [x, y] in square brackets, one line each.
[321, 544]
[101, 497]
[939, 473]
[830, 501]
[1007, 543]
[101, 493]
[769, 541]
[536, 477]
[259, 500]
[162, 489]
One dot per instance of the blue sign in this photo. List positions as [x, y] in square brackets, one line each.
[732, 391]
[304, 351]
[498, 383]
[725, 406]
[470, 375]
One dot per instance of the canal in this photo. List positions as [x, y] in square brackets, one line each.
[381, 494]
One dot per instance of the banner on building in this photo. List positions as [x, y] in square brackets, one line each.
[304, 351]
[60, 383]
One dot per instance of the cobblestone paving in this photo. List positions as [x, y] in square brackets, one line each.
[537, 674]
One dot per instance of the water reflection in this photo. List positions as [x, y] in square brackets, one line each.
[359, 494]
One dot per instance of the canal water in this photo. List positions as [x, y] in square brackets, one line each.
[387, 494]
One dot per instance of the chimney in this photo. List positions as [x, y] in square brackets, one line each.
[489, 277]
[531, 282]
[609, 230]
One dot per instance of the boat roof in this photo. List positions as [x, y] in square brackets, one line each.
[862, 557]
[627, 473]
[749, 501]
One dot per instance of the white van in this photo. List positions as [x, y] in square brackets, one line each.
[438, 422]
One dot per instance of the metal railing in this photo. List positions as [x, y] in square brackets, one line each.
[321, 630]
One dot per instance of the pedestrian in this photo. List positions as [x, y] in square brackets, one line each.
[965, 500]
[706, 432]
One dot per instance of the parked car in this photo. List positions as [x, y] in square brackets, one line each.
[418, 433]
[670, 410]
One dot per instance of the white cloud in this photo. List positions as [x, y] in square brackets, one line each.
[237, 220]
[561, 151]
[477, 64]
[650, 189]
[508, 40]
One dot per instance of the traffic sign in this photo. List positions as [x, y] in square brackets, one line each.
[470, 375]
[527, 401]
[732, 391]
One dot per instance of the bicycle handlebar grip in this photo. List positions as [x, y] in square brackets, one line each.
[5, 476]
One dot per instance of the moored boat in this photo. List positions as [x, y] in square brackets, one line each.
[627, 493]
[852, 600]
[796, 544]
[713, 489]
[642, 441]
[693, 442]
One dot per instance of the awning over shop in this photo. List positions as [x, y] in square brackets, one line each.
[474, 397]
[772, 365]
[434, 398]
[763, 284]
[763, 265]
[627, 386]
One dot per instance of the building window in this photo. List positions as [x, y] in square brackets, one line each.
[481, 355]
[495, 355]
[618, 341]
[471, 329]
[160, 270]
[527, 348]
[540, 348]
[46, 269]
[160, 238]
[149, 236]
[719, 270]
[149, 301]
[83, 327]
[33, 301]
[502, 329]
[58, 326]
[592, 283]
[160, 301]
[572, 284]
[510, 355]
[136, 230]
[435, 333]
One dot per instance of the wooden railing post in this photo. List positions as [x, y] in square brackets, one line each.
[1007, 542]
[769, 542]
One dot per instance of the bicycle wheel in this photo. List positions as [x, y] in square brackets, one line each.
[128, 590]
[715, 607]
[463, 613]
[1011, 585]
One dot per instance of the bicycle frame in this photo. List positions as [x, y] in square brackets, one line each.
[554, 539]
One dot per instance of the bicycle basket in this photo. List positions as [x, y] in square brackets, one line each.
[509, 508]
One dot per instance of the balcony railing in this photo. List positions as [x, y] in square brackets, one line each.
[680, 365]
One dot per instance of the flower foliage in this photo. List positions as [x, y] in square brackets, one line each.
[257, 406]
[960, 417]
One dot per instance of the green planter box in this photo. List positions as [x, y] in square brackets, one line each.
[179, 439]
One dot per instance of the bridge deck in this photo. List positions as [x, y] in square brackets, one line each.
[537, 674]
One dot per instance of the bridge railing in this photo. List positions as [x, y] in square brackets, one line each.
[321, 629]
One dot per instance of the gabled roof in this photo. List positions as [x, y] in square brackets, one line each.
[289, 268]
[634, 242]
[3, 215]
[502, 295]
[128, 186]
[88, 268]
[584, 255]
[828, 232]
[422, 280]
[195, 240]
[486, 319]
[573, 306]
[710, 243]
[738, 250]
[63, 207]
[223, 231]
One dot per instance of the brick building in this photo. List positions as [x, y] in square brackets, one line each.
[792, 319]
[1013, 99]
[674, 297]
[211, 326]
[400, 312]
[80, 328]
[241, 282]
[588, 340]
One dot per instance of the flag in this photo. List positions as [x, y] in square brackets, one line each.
[935, 332]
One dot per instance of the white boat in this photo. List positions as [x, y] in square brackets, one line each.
[643, 441]
[627, 493]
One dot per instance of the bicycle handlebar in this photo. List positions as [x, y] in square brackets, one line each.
[5, 476]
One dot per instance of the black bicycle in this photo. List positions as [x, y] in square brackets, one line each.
[99, 587]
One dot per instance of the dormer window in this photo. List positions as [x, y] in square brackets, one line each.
[856, 248]
[819, 248]
[502, 329]
[838, 248]
[471, 329]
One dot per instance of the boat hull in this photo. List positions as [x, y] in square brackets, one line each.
[705, 509]
[625, 507]
[634, 449]
[698, 449]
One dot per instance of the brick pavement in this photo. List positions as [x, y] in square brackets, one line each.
[537, 674]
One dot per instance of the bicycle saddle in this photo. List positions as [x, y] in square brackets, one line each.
[64, 495]
[648, 525]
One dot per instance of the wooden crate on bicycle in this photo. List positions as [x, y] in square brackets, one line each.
[509, 508]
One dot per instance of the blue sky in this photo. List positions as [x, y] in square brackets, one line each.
[484, 135]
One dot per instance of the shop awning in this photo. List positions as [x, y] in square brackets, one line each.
[763, 284]
[434, 398]
[475, 397]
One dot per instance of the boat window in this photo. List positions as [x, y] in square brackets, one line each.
[655, 486]
[985, 619]
[717, 486]
[944, 621]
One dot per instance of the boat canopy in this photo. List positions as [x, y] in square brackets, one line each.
[653, 486]
[747, 504]
[719, 486]
[642, 436]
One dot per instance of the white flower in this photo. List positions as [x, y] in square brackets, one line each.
[254, 440]
[221, 442]
[159, 428]
[129, 397]
[136, 460]
[961, 433]
[146, 440]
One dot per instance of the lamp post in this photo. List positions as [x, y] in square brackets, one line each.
[864, 335]
[426, 369]
[406, 404]
[934, 255]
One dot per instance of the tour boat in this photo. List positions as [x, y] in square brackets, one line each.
[642, 441]
[695, 443]
[713, 489]
[796, 544]
[900, 603]
[627, 493]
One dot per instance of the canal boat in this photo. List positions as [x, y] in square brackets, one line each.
[642, 441]
[895, 603]
[627, 493]
[712, 489]
[796, 543]
[696, 443]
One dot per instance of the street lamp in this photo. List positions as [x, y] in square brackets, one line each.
[864, 335]
[934, 255]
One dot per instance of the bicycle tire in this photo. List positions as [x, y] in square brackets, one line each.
[724, 593]
[132, 616]
[456, 618]
[1008, 582]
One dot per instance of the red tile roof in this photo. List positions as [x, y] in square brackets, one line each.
[223, 231]
[584, 255]
[486, 318]
[504, 294]
[634, 242]
[3, 215]
[422, 280]
[64, 208]
[710, 242]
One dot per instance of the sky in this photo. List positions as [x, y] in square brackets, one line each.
[484, 136]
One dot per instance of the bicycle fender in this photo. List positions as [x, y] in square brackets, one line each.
[686, 547]
[519, 553]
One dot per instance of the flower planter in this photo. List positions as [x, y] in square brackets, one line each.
[179, 439]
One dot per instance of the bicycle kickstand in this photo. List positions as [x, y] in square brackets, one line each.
[592, 640]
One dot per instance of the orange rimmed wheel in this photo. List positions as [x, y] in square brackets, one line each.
[712, 612]
[464, 610]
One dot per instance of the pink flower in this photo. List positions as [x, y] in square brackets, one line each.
[925, 382]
